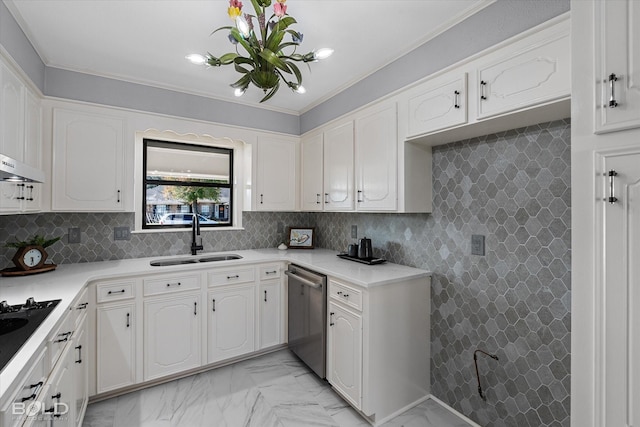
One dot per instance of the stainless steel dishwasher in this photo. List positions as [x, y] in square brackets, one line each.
[308, 316]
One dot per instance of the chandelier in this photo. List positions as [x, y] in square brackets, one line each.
[263, 61]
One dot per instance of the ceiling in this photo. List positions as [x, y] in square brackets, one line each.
[145, 41]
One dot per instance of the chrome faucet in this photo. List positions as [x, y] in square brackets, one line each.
[195, 231]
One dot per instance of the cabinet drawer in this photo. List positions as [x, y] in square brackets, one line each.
[346, 294]
[80, 306]
[26, 392]
[231, 276]
[59, 340]
[114, 291]
[164, 285]
[270, 271]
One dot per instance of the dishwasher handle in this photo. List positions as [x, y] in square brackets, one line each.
[303, 280]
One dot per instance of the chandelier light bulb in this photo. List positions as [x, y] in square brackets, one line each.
[196, 58]
[243, 27]
[300, 89]
[323, 53]
[239, 92]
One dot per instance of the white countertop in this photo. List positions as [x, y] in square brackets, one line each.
[68, 280]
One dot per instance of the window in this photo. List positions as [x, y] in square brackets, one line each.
[176, 175]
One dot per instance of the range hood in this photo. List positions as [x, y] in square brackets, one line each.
[13, 170]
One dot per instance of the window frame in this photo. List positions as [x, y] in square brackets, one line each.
[146, 142]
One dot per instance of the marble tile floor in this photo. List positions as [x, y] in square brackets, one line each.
[274, 390]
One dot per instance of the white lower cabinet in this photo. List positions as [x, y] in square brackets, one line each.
[270, 308]
[378, 345]
[59, 401]
[115, 346]
[345, 353]
[231, 325]
[171, 335]
[80, 371]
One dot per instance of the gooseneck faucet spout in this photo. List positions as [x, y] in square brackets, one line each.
[195, 231]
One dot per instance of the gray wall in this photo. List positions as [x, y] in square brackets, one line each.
[513, 187]
[495, 23]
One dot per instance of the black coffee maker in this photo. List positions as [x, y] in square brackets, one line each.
[365, 249]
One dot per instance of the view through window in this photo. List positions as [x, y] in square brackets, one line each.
[176, 175]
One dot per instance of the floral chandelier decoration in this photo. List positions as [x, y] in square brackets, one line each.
[265, 63]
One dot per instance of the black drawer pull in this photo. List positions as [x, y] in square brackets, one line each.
[174, 284]
[79, 348]
[116, 292]
[37, 387]
[233, 277]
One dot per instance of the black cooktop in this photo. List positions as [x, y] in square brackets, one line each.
[18, 323]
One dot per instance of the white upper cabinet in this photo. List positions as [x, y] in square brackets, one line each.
[376, 156]
[11, 115]
[32, 131]
[438, 104]
[312, 172]
[338, 168]
[521, 78]
[88, 162]
[617, 41]
[276, 174]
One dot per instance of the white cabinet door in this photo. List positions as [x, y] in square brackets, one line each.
[539, 74]
[617, 65]
[32, 131]
[80, 371]
[276, 175]
[171, 335]
[312, 155]
[116, 346]
[345, 353]
[59, 402]
[11, 114]
[231, 327]
[440, 104]
[270, 306]
[618, 299]
[88, 162]
[338, 168]
[376, 152]
[11, 194]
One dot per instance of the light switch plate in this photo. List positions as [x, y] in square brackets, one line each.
[477, 244]
[121, 233]
[354, 231]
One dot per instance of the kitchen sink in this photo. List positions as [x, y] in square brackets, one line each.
[181, 261]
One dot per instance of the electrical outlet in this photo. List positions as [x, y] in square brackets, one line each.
[354, 231]
[74, 235]
[477, 244]
[121, 233]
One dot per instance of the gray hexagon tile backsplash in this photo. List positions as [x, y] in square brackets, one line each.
[515, 301]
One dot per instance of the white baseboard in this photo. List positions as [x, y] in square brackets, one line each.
[453, 411]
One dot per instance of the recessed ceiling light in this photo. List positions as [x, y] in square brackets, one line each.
[196, 58]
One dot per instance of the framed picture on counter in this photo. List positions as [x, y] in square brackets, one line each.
[301, 237]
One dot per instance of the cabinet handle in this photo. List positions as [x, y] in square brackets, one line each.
[128, 318]
[116, 292]
[271, 272]
[265, 296]
[331, 319]
[346, 295]
[612, 88]
[21, 196]
[233, 277]
[339, 292]
[261, 198]
[612, 175]
[30, 198]
[195, 308]
[326, 197]
[37, 387]
[65, 339]
[359, 199]
[118, 196]
[82, 306]
[79, 348]
[214, 304]
[482, 85]
[456, 104]
[317, 198]
[174, 284]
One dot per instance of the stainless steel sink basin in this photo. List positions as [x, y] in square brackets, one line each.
[181, 261]
[219, 258]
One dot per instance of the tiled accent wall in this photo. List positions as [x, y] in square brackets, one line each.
[261, 230]
[512, 187]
